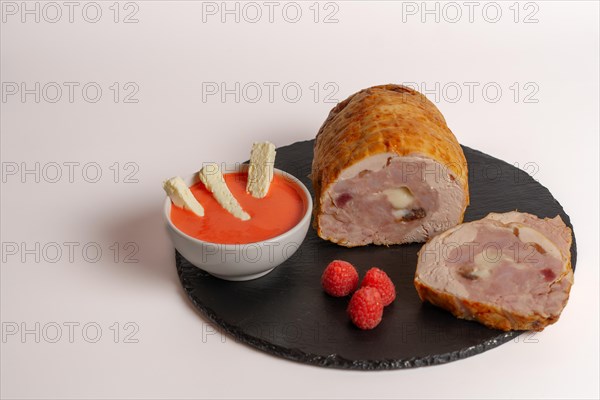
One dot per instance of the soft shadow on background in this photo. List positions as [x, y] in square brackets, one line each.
[144, 229]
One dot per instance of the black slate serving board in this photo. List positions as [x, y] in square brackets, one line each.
[287, 314]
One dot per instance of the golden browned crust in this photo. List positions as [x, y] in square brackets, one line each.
[387, 118]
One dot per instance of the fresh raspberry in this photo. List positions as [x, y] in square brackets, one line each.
[339, 278]
[379, 280]
[366, 308]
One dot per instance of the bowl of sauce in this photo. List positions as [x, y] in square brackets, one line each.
[236, 250]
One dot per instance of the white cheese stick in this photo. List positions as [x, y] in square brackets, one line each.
[182, 196]
[260, 172]
[212, 178]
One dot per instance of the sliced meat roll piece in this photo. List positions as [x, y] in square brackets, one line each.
[387, 170]
[506, 271]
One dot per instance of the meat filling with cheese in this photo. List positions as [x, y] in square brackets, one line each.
[507, 271]
[387, 199]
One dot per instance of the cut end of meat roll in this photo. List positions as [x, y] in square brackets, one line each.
[387, 170]
[507, 271]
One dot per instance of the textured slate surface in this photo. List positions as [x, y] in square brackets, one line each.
[287, 314]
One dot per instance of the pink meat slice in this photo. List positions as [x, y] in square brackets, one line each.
[507, 271]
[355, 210]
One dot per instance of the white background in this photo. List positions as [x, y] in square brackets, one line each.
[172, 55]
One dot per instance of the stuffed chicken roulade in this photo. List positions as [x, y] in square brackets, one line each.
[387, 170]
[506, 271]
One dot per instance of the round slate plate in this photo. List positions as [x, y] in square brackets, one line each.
[287, 314]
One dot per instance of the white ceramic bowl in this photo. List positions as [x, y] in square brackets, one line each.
[241, 262]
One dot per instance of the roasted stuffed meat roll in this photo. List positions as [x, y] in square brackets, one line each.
[507, 271]
[387, 170]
